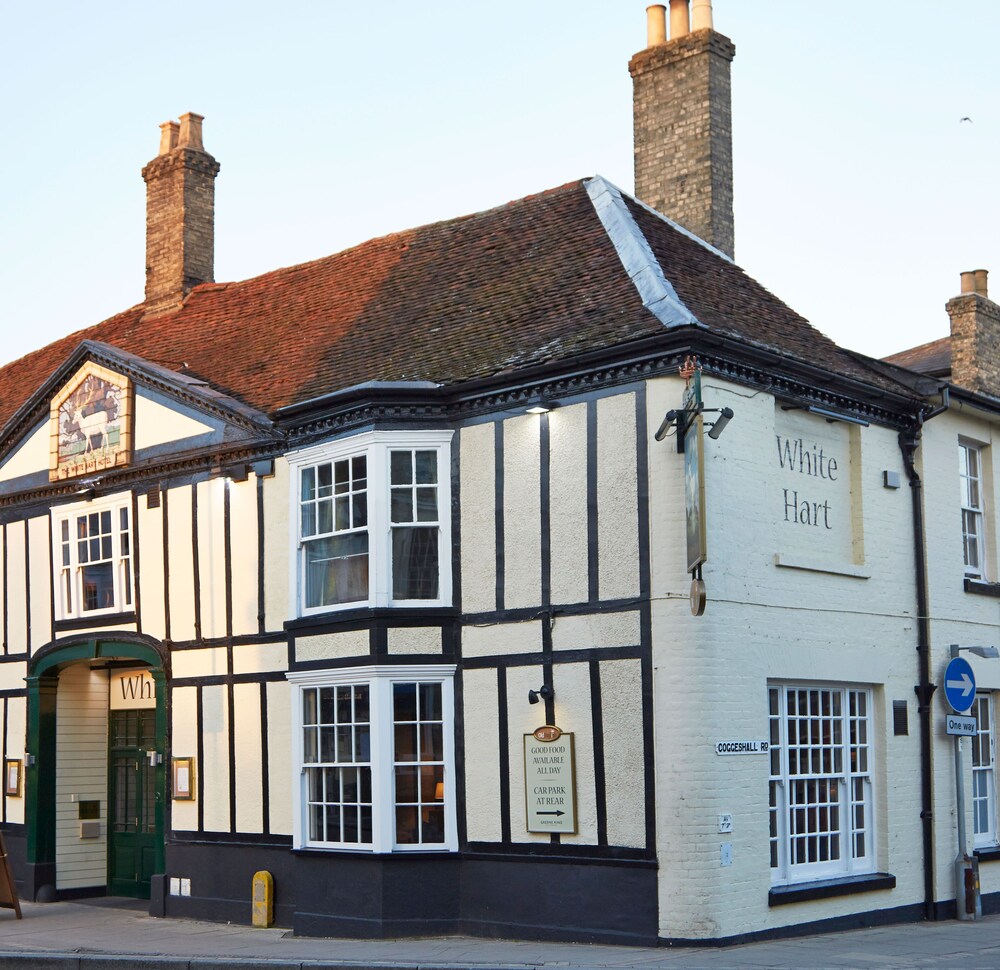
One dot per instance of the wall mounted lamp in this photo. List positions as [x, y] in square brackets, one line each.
[682, 417]
[544, 693]
[987, 653]
[542, 407]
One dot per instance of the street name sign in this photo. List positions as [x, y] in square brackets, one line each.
[742, 747]
[959, 685]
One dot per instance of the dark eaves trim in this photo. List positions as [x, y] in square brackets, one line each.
[358, 393]
[975, 399]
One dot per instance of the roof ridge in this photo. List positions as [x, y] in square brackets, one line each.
[637, 257]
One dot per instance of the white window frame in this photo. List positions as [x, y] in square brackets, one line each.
[376, 446]
[984, 779]
[972, 481]
[123, 571]
[850, 780]
[380, 681]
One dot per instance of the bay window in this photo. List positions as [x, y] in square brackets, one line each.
[372, 519]
[376, 755]
[92, 554]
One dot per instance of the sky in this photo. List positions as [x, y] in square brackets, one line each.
[860, 194]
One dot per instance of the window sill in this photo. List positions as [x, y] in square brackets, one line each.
[335, 617]
[988, 853]
[822, 566]
[981, 587]
[94, 622]
[436, 851]
[828, 888]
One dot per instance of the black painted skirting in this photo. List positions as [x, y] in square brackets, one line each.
[374, 897]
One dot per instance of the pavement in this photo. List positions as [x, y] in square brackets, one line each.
[118, 935]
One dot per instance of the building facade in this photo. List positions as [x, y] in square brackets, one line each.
[375, 573]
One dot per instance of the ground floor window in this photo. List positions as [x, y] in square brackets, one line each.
[375, 764]
[821, 819]
[984, 784]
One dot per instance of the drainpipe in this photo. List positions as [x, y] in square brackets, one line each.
[909, 440]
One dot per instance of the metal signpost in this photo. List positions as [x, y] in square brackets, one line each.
[960, 692]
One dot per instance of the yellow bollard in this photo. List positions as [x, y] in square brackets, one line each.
[263, 899]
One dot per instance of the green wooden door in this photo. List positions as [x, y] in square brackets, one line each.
[133, 836]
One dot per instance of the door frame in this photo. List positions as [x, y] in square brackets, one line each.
[40, 769]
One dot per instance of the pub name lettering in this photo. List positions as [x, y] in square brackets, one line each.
[795, 456]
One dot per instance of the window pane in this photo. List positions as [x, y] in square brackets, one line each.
[336, 570]
[406, 784]
[427, 505]
[431, 742]
[406, 742]
[401, 464]
[324, 480]
[308, 484]
[407, 825]
[432, 828]
[326, 705]
[98, 587]
[404, 702]
[430, 702]
[309, 706]
[402, 505]
[324, 517]
[414, 563]
[427, 467]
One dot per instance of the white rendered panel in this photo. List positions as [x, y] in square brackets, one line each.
[617, 502]
[184, 744]
[279, 748]
[477, 465]
[212, 557]
[31, 457]
[258, 658]
[201, 662]
[502, 639]
[568, 504]
[159, 425]
[40, 559]
[333, 646]
[522, 718]
[414, 639]
[3, 586]
[482, 755]
[17, 726]
[522, 512]
[81, 774]
[596, 630]
[243, 547]
[249, 778]
[215, 745]
[16, 604]
[181, 563]
[152, 602]
[621, 706]
[12, 678]
[278, 539]
[573, 713]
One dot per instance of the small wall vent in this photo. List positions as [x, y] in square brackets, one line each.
[900, 718]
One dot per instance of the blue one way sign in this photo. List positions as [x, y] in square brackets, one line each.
[959, 685]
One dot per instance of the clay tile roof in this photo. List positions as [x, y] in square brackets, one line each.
[531, 282]
[932, 358]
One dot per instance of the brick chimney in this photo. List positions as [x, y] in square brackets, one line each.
[180, 215]
[682, 109]
[975, 336]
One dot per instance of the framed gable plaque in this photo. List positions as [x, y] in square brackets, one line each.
[90, 423]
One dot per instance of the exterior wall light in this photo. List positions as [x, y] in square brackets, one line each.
[542, 407]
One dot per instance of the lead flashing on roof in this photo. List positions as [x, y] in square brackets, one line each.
[658, 295]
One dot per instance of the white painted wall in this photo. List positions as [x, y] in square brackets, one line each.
[81, 774]
[179, 539]
[617, 498]
[277, 542]
[156, 424]
[184, 744]
[279, 747]
[569, 580]
[522, 520]
[248, 750]
[31, 456]
[16, 603]
[152, 595]
[243, 546]
[478, 521]
[212, 557]
[14, 747]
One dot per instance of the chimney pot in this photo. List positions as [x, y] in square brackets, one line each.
[168, 136]
[190, 133]
[656, 25]
[701, 15]
[980, 282]
[969, 282]
[680, 18]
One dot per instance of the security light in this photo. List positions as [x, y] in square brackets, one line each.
[725, 416]
[544, 693]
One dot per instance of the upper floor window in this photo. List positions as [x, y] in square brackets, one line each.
[375, 770]
[970, 470]
[372, 516]
[93, 558]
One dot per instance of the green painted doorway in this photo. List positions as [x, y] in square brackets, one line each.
[133, 833]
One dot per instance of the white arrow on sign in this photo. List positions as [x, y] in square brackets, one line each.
[965, 685]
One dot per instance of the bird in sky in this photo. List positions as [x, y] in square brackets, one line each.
[966, 118]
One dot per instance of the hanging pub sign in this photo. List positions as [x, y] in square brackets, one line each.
[90, 423]
[694, 474]
[549, 781]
